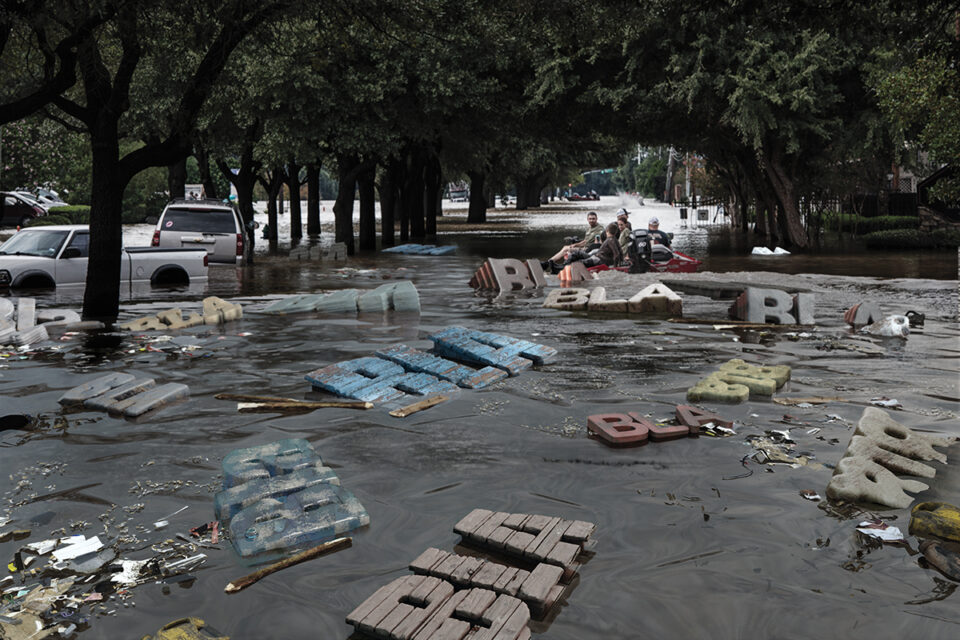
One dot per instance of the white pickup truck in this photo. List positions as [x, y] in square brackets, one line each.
[57, 255]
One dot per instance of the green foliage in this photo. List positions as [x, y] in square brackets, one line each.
[39, 152]
[857, 224]
[922, 101]
[908, 239]
[48, 220]
[71, 214]
[145, 195]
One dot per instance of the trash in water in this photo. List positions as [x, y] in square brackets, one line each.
[810, 494]
[716, 430]
[895, 326]
[187, 629]
[942, 556]
[935, 520]
[78, 548]
[165, 520]
[915, 319]
[887, 403]
[880, 530]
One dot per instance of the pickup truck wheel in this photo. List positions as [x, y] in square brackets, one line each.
[170, 275]
[36, 281]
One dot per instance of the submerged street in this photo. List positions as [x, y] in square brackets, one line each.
[695, 538]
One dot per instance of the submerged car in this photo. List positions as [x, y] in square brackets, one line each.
[55, 255]
[202, 224]
[16, 210]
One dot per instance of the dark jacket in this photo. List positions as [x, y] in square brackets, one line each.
[610, 252]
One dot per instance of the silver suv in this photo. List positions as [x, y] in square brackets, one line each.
[210, 224]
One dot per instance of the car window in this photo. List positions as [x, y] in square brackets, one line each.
[10, 201]
[81, 241]
[198, 220]
[44, 243]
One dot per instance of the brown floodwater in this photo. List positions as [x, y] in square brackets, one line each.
[683, 547]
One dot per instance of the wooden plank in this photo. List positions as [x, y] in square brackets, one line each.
[555, 594]
[514, 624]
[439, 616]
[505, 578]
[524, 634]
[536, 588]
[466, 570]
[515, 520]
[447, 566]
[535, 523]
[437, 598]
[306, 404]
[542, 533]
[470, 522]
[427, 560]
[372, 620]
[579, 531]
[368, 605]
[393, 619]
[487, 576]
[494, 521]
[513, 587]
[422, 594]
[476, 602]
[499, 537]
[563, 554]
[548, 542]
[451, 629]
[418, 406]
[497, 615]
[519, 541]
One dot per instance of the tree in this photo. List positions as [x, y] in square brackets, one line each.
[112, 69]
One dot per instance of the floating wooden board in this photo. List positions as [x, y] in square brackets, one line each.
[427, 608]
[539, 588]
[534, 538]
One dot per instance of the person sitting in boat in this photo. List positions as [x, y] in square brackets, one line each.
[609, 252]
[625, 237]
[657, 236]
[589, 237]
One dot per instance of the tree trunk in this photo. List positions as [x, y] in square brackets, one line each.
[368, 205]
[206, 178]
[293, 185]
[411, 196]
[785, 190]
[389, 179]
[272, 182]
[313, 199]
[244, 181]
[177, 179]
[528, 192]
[432, 179]
[477, 212]
[101, 298]
[343, 209]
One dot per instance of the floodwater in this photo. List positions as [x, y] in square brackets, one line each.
[684, 547]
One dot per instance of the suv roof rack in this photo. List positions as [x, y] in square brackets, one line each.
[203, 201]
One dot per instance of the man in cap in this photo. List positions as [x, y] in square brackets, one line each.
[657, 236]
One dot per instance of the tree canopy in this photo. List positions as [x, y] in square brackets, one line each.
[783, 102]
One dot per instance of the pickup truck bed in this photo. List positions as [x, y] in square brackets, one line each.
[57, 255]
